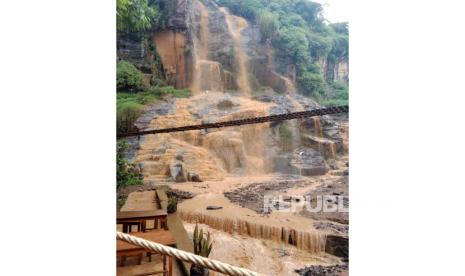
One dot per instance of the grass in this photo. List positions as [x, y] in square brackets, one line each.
[129, 106]
[334, 102]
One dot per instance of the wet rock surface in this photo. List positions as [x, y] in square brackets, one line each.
[152, 111]
[309, 162]
[252, 196]
[337, 228]
[319, 270]
[334, 190]
[180, 195]
[338, 246]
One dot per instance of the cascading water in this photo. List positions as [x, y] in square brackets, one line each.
[327, 147]
[235, 26]
[311, 241]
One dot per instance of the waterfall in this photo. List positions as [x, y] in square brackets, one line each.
[235, 25]
[311, 241]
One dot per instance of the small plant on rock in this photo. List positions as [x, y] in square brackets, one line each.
[202, 247]
[172, 204]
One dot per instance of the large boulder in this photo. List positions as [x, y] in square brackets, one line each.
[193, 177]
[338, 246]
[309, 162]
[177, 172]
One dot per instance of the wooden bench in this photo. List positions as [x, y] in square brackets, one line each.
[139, 218]
[124, 249]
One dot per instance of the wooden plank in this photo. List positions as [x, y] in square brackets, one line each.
[140, 214]
[163, 198]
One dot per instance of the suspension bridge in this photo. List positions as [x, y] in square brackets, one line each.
[247, 121]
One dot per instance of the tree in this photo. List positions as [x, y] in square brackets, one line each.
[340, 28]
[135, 15]
[311, 12]
[311, 84]
[268, 24]
[293, 42]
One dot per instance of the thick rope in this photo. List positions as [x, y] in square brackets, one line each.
[186, 256]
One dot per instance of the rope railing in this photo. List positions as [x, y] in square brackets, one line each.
[186, 256]
[247, 121]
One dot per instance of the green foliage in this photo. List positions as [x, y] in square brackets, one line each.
[340, 28]
[121, 200]
[127, 112]
[136, 15]
[159, 83]
[202, 245]
[268, 23]
[311, 12]
[292, 42]
[128, 77]
[311, 84]
[170, 90]
[172, 204]
[130, 106]
[340, 48]
[245, 8]
[340, 95]
[126, 173]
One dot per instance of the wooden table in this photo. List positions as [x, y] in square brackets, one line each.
[140, 218]
[124, 249]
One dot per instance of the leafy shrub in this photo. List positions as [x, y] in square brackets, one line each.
[128, 77]
[340, 95]
[311, 84]
[130, 106]
[172, 204]
[127, 112]
[159, 83]
[126, 173]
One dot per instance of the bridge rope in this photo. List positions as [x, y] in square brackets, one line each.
[186, 256]
[247, 121]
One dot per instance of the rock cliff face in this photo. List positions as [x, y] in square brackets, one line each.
[171, 46]
[194, 28]
[335, 71]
